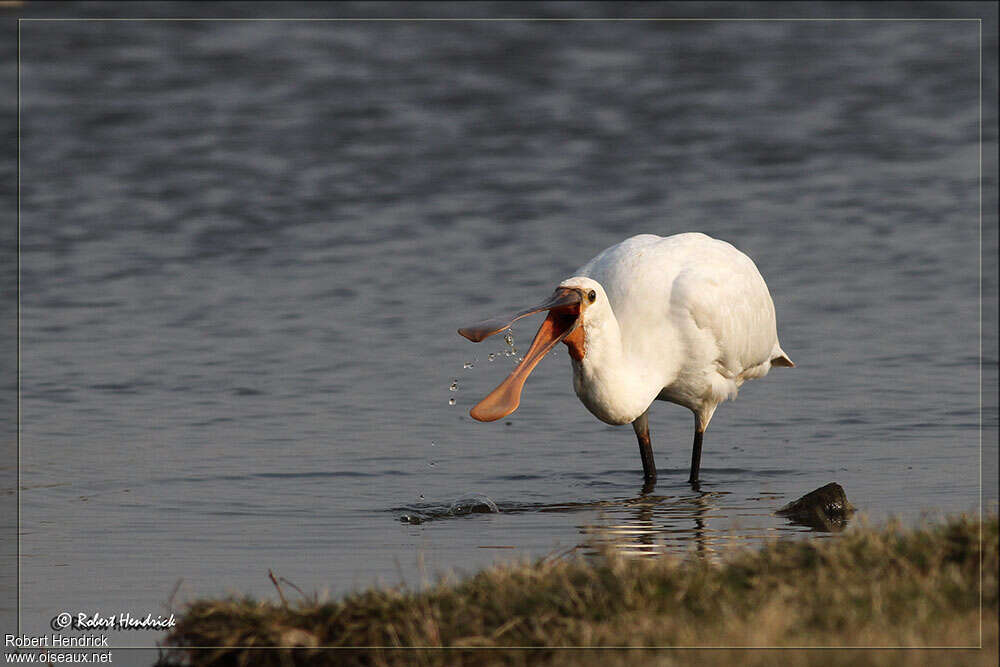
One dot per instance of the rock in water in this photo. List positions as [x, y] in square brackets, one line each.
[825, 508]
[476, 503]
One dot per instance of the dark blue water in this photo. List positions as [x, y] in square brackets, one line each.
[246, 247]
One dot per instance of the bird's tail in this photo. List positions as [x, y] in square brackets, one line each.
[781, 359]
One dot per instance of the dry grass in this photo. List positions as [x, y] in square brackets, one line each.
[867, 588]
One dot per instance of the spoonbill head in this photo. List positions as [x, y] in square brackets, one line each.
[685, 319]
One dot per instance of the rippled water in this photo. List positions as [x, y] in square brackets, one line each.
[246, 248]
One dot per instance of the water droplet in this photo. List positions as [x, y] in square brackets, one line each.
[432, 464]
[509, 339]
[451, 401]
[468, 364]
[454, 385]
[421, 496]
[493, 355]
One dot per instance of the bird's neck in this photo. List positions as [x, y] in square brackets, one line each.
[612, 380]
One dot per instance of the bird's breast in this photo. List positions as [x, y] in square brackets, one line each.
[606, 396]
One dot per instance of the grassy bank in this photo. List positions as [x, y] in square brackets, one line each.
[886, 587]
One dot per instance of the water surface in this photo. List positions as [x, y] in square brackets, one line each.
[246, 248]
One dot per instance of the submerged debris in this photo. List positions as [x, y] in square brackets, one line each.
[476, 503]
[825, 508]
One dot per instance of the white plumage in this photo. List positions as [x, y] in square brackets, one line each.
[685, 319]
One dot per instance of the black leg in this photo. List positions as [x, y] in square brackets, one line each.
[696, 455]
[641, 426]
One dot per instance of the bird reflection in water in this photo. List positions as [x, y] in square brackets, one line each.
[685, 519]
[650, 524]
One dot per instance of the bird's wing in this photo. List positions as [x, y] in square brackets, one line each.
[694, 286]
[725, 298]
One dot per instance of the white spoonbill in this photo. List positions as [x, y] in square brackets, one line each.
[684, 318]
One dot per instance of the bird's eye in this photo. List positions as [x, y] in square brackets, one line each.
[592, 296]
